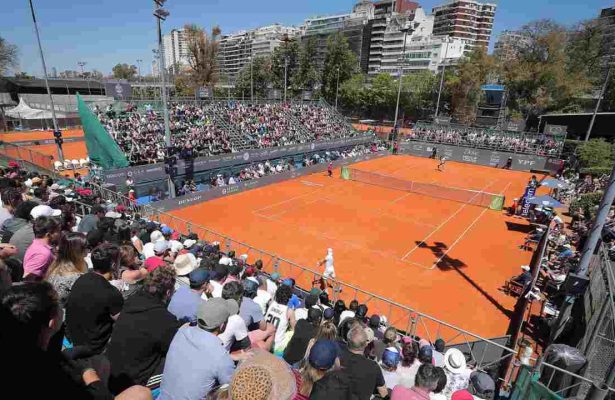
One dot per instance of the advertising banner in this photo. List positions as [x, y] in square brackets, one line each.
[530, 191]
[216, 192]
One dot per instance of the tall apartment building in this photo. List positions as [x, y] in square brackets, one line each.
[470, 20]
[237, 49]
[353, 26]
[175, 48]
[607, 20]
[509, 44]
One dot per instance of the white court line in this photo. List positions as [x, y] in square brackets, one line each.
[308, 183]
[442, 224]
[435, 264]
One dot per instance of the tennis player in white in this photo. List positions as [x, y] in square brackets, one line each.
[329, 272]
[442, 162]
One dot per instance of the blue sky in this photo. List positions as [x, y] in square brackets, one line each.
[105, 32]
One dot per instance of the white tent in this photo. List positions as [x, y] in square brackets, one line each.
[24, 111]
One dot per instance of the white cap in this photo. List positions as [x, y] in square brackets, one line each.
[188, 243]
[156, 236]
[161, 246]
[525, 267]
[113, 214]
[44, 211]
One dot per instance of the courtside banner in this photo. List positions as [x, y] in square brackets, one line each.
[153, 172]
[491, 158]
[216, 192]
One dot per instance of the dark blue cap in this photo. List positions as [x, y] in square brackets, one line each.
[199, 276]
[323, 354]
[391, 357]
[328, 314]
[426, 352]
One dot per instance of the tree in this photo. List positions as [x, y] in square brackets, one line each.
[465, 82]
[8, 56]
[353, 95]
[306, 76]
[418, 94]
[340, 59]
[287, 51]
[595, 153]
[261, 74]
[202, 56]
[124, 71]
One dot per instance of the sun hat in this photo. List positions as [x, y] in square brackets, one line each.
[211, 314]
[454, 360]
[323, 354]
[188, 243]
[44, 211]
[183, 264]
[263, 376]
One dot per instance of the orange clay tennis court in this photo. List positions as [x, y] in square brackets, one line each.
[440, 257]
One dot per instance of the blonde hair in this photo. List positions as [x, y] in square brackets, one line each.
[327, 330]
[71, 253]
[309, 376]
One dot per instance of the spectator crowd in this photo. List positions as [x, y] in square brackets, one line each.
[216, 128]
[110, 305]
[517, 142]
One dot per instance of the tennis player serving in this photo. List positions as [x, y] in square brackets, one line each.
[442, 162]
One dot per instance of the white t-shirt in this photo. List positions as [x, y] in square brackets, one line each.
[235, 331]
[329, 270]
[278, 317]
[216, 288]
[272, 287]
[148, 250]
[346, 314]
[301, 313]
[262, 299]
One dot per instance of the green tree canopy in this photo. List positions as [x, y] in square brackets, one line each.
[340, 59]
[286, 52]
[124, 71]
[202, 56]
[306, 77]
[261, 74]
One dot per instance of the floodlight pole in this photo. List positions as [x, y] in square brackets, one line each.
[442, 77]
[401, 72]
[604, 85]
[53, 108]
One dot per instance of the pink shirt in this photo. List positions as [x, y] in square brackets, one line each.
[403, 393]
[37, 259]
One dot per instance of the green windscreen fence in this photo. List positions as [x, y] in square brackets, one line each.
[492, 201]
[102, 149]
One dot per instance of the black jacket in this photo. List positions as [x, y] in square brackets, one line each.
[140, 340]
[334, 385]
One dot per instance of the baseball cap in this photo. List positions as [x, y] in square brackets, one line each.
[315, 291]
[328, 314]
[166, 230]
[323, 354]
[188, 243]
[250, 271]
[275, 276]
[161, 246]
[425, 352]
[462, 395]
[155, 236]
[314, 314]
[249, 286]
[44, 211]
[220, 271]
[391, 357]
[482, 383]
[288, 282]
[120, 208]
[13, 164]
[374, 321]
[199, 276]
[215, 311]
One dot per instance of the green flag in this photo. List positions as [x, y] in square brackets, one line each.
[102, 149]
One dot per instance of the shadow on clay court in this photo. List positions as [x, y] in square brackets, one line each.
[522, 228]
[447, 263]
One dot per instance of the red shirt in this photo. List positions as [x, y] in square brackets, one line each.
[153, 262]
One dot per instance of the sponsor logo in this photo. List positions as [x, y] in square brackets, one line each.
[528, 163]
[246, 156]
[189, 200]
[470, 159]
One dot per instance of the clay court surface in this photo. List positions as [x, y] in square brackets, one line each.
[441, 257]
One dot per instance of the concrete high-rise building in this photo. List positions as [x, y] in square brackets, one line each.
[175, 48]
[607, 20]
[509, 44]
[237, 49]
[470, 20]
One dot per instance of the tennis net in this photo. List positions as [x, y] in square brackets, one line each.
[473, 197]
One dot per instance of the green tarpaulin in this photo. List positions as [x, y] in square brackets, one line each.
[102, 149]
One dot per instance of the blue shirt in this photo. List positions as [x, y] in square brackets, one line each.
[195, 364]
[566, 253]
[184, 304]
[294, 302]
[250, 312]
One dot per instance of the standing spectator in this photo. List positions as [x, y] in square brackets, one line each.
[143, 333]
[281, 317]
[438, 353]
[196, 360]
[39, 255]
[93, 303]
[272, 286]
[304, 331]
[186, 300]
[426, 381]
[437, 394]
[457, 373]
[365, 374]
[89, 222]
[69, 265]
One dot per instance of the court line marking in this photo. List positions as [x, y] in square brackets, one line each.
[442, 224]
[435, 264]
[350, 243]
[309, 183]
